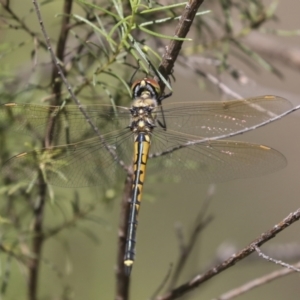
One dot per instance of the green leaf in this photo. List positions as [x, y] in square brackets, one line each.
[97, 29]
[163, 8]
[163, 36]
[109, 13]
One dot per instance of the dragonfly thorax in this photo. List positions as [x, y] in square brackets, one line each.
[143, 115]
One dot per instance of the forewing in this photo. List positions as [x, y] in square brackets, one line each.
[69, 123]
[209, 119]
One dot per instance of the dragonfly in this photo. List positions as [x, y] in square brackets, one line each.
[178, 140]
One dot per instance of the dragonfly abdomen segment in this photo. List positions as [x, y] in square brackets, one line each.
[141, 151]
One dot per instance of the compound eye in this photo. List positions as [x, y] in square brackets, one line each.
[135, 84]
[154, 84]
[145, 85]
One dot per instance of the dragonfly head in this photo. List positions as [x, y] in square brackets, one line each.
[145, 88]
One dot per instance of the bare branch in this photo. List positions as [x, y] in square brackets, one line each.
[276, 261]
[256, 283]
[199, 224]
[38, 208]
[21, 22]
[199, 279]
[122, 279]
[172, 50]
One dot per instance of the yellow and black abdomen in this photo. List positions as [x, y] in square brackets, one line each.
[141, 151]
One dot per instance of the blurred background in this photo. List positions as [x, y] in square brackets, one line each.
[79, 262]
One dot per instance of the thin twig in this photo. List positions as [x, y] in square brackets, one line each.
[224, 136]
[60, 48]
[39, 206]
[71, 92]
[199, 224]
[193, 63]
[55, 81]
[21, 22]
[256, 283]
[38, 239]
[163, 283]
[233, 259]
[276, 261]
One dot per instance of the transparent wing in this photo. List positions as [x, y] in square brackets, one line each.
[172, 157]
[70, 124]
[208, 119]
[204, 119]
[177, 152]
[196, 161]
[87, 163]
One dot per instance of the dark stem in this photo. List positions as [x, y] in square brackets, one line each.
[166, 66]
[39, 206]
[56, 80]
[172, 50]
[122, 280]
[38, 240]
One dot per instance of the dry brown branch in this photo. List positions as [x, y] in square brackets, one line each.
[233, 259]
[276, 261]
[39, 206]
[200, 224]
[256, 283]
[172, 50]
[122, 279]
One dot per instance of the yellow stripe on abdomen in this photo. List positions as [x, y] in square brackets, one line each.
[141, 151]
